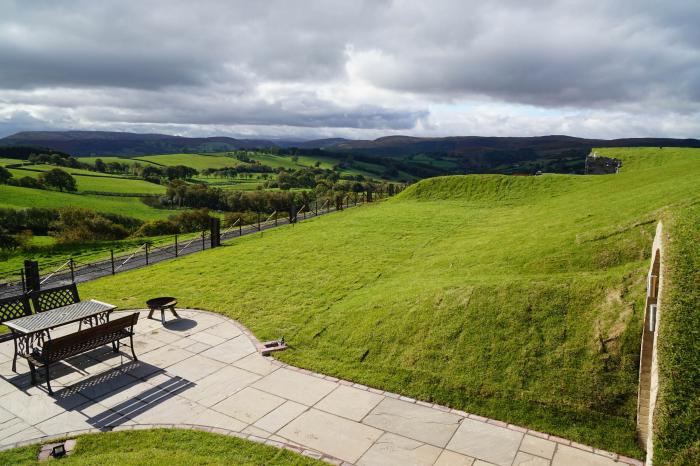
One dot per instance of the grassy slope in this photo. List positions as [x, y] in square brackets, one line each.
[20, 198]
[677, 429]
[514, 297]
[102, 184]
[164, 447]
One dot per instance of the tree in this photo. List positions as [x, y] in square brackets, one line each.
[100, 166]
[58, 178]
[5, 175]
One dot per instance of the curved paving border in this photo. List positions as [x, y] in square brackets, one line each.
[573, 450]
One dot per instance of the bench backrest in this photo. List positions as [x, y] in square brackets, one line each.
[14, 308]
[51, 298]
[85, 340]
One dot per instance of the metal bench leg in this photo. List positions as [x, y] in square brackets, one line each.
[48, 380]
[32, 370]
[115, 346]
[131, 341]
[150, 314]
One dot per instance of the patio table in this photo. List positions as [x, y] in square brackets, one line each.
[30, 332]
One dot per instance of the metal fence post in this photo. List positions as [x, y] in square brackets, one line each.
[316, 207]
[146, 253]
[111, 253]
[203, 244]
[176, 246]
[240, 226]
[72, 270]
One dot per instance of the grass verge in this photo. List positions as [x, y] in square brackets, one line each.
[163, 447]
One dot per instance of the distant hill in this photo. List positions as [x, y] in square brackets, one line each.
[88, 143]
[389, 156]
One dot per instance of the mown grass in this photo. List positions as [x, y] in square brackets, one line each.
[20, 198]
[162, 447]
[677, 420]
[518, 298]
[95, 182]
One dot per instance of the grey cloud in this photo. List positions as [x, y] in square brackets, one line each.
[202, 64]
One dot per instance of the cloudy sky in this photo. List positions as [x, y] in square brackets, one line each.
[351, 68]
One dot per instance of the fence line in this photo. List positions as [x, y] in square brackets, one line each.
[147, 254]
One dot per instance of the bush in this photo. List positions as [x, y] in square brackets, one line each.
[76, 225]
[5, 175]
[158, 227]
[29, 182]
[192, 220]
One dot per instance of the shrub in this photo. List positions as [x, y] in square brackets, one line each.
[158, 227]
[76, 225]
[29, 182]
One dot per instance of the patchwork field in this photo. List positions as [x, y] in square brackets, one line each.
[20, 198]
[96, 182]
[518, 298]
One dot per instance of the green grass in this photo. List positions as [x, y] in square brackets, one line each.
[4, 162]
[677, 424]
[107, 159]
[95, 182]
[518, 298]
[161, 447]
[73, 171]
[196, 161]
[20, 198]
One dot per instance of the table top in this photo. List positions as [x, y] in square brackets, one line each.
[59, 316]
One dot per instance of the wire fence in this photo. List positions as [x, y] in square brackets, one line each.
[76, 271]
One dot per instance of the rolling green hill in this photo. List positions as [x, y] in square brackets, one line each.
[519, 298]
[21, 198]
[88, 181]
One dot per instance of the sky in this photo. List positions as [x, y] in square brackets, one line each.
[357, 69]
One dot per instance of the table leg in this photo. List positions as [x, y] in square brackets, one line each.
[172, 308]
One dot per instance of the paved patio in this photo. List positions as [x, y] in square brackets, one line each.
[205, 370]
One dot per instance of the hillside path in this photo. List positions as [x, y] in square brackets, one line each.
[205, 371]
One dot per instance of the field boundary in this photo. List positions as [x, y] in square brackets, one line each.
[72, 271]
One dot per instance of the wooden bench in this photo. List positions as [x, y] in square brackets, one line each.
[82, 341]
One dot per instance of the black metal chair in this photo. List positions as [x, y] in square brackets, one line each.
[13, 308]
[51, 298]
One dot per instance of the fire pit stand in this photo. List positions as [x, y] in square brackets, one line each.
[161, 304]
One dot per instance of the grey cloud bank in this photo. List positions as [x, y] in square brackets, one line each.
[353, 69]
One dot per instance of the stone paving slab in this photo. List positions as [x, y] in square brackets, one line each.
[295, 386]
[414, 421]
[349, 402]
[325, 432]
[495, 444]
[204, 371]
[394, 449]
